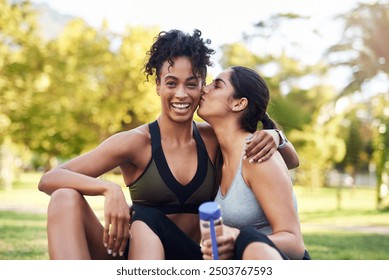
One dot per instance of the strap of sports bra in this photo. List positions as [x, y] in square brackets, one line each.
[156, 136]
[198, 138]
[181, 192]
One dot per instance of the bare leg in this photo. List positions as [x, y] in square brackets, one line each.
[260, 251]
[145, 244]
[74, 231]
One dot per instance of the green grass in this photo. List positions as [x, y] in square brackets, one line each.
[340, 245]
[23, 236]
[329, 225]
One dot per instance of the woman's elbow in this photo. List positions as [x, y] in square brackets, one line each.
[44, 182]
[295, 163]
[298, 247]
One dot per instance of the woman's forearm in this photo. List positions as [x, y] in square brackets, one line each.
[290, 156]
[64, 178]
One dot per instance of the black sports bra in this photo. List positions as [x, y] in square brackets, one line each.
[158, 188]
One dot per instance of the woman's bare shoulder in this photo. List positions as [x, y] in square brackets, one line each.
[270, 170]
[133, 140]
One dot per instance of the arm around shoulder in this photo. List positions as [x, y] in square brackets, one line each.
[286, 150]
[290, 156]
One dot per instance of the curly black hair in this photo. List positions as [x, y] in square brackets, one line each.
[175, 43]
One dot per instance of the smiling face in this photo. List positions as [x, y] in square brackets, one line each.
[179, 89]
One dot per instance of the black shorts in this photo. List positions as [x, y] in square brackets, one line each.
[249, 235]
[178, 246]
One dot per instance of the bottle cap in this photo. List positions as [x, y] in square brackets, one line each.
[209, 211]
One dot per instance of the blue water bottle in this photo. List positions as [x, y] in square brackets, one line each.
[210, 217]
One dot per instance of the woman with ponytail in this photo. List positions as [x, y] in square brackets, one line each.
[257, 202]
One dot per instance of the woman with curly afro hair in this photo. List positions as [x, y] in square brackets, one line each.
[168, 166]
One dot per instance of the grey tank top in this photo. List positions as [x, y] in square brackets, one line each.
[239, 206]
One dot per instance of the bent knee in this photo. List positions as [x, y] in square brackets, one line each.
[63, 200]
[262, 251]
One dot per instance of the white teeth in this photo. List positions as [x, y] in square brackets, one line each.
[180, 105]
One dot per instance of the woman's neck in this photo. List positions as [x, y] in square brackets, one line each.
[179, 132]
[231, 139]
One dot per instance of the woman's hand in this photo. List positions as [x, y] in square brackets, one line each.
[117, 218]
[225, 243]
[261, 146]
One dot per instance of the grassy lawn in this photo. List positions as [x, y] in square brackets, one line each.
[330, 232]
[23, 236]
[340, 245]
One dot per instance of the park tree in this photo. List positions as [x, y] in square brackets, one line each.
[62, 97]
[380, 116]
[55, 122]
[18, 44]
[133, 99]
[357, 133]
[86, 90]
[364, 50]
[299, 109]
[20, 55]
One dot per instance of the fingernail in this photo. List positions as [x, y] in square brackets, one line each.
[121, 254]
[244, 157]
[251, 160]
[114, 254]
[105, 245]
[109, 251]
[260, 160]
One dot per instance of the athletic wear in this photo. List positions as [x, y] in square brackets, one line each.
[232, 207]
[177, 245]
[157, 187]
[241, 209]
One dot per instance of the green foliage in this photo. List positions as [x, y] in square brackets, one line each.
[18, 43]
[135, 98]
[237, 54]
[303, 113]
[319, 148]
[363, 49]
[363, 46]
[358, 135]
[64, 96]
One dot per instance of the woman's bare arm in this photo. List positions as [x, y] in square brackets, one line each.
[264, 143]
[274, 193]
[82, 174]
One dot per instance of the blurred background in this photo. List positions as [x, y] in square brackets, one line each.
[71, 75]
